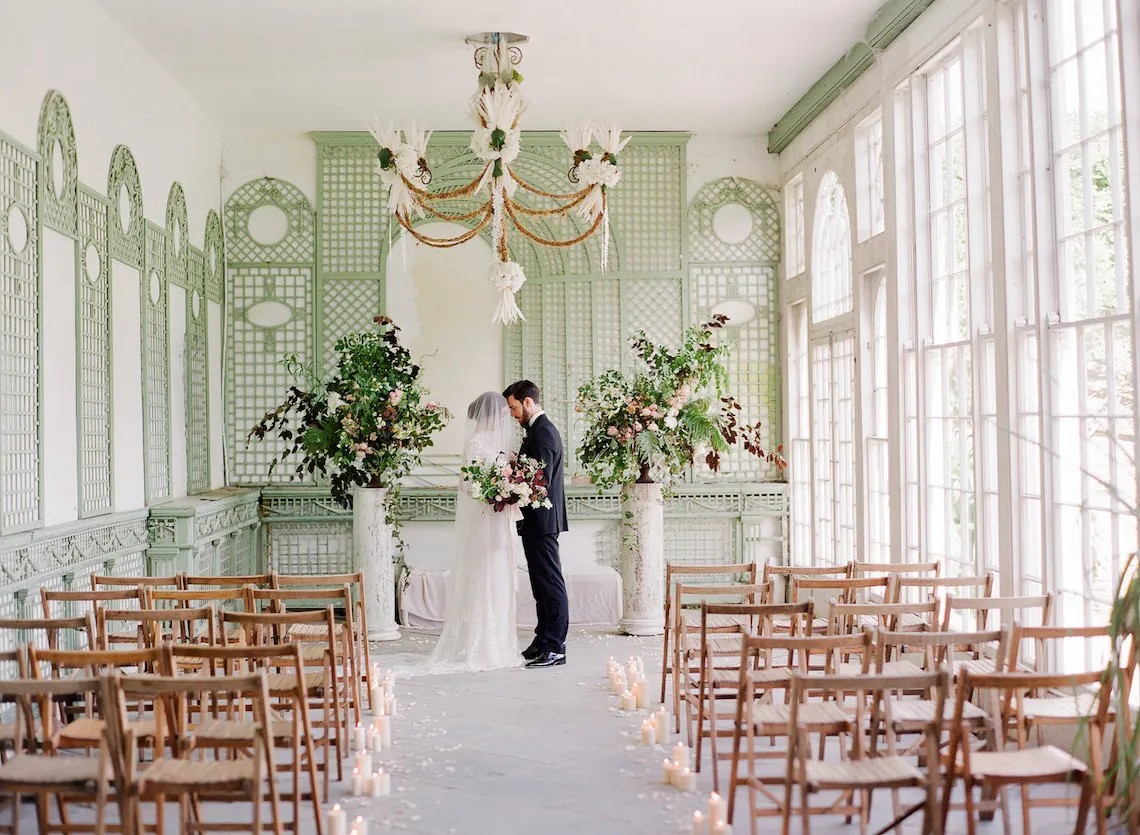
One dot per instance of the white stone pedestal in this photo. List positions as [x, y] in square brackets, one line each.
[374, 548]
[642, 559]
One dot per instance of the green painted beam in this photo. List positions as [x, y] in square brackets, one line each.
[887, 24]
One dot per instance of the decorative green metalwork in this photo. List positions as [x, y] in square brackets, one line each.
[197, 377]
[296, 247]
[156, 367]
[93, 356]
[59, 182]
[215, 252]
[177, 232]
[21, 465]
[255, 378]
[125, 235]
[734, 271]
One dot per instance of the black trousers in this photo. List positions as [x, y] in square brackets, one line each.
[549, 590]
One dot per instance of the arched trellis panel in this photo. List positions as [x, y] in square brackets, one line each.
[734, 252]
[125, 228]
[270, 233]
[59, 177]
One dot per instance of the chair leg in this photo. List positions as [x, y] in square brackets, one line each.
[664, 657]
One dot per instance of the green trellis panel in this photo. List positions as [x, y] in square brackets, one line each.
[347, 304]
[93, 356]
[254, 358]
[743, 270]
[215, 252]
[125, 239]
[21, 502]
[653, 305]
[648, 205]
[177, 249]
[59, 181]
[197, 378]
[353, 225]
[156, 367]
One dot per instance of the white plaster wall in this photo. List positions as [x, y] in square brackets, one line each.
[711, 156]
[118, 94]
[126, 377]
[216, 334]
[287, 156]
[61, 443]
[176, 297]
[443, 304]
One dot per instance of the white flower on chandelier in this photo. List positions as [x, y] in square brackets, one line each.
[610, 139]
[596, 172]
[578, 137]
[496, 114]
[508, 278]
[411, 152]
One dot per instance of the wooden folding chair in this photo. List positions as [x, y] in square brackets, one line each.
[844, 618]
[719, 681]
[148, 628]
[48, 775]
[1001, 765]
[676, 573]
[14, 666]
[284, 600]
[355, 582]
[902, 569]
[79, 603]
[100, 582]
[687, 597]
[917, 589]
[51, 633]
[285, 679]
[758, 714]
[780, 576]
[186, 773]
[862, 769]
[961, 613]
[322, 682]
[191, 582]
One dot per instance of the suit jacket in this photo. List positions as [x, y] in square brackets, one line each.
[543, 443]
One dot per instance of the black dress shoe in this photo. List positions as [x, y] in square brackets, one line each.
[532, 652]
[548, 659]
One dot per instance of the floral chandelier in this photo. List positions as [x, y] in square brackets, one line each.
[496, 108]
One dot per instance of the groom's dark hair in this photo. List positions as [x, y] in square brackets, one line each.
[523, 389]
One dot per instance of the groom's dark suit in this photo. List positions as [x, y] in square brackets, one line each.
[539, 530]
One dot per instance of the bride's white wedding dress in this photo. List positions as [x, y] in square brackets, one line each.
[479, 631]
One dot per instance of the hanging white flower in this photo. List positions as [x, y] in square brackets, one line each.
[597, 172]
[592, 204]
[609, 137]
[508, 278]
[385, 134]
[496, 114]
[577, 138]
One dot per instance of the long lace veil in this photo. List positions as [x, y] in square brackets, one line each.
[489, 425]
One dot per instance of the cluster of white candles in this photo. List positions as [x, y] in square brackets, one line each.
[366, 741]
[338, 823]
[714, 821]
[655, 728]
[677, 771]
[629, 683]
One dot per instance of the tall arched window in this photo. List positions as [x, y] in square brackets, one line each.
[831, 294]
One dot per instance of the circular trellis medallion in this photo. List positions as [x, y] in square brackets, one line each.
[734, 219]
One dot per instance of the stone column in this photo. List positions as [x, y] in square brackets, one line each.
[643, 559]
[374, 547]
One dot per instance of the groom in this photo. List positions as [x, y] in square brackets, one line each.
[540, 527]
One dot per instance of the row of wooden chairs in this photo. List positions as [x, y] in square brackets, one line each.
[294, 687]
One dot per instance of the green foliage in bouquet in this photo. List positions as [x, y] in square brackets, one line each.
[367, 426]
[650, 426]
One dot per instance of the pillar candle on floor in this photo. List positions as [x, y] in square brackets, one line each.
[718, 808]
[364, 762]
[382, 783]
[648, 732]
[667, 769]
[357, 783]
[377, 739]
[699, 825]
[628, 702]
[722, 828]
[681, 755]
[360, 738]
[641, 694]
[687, 780]
[360, 826]
[661, 718]
[384, 725]
[377, 700]
[338, 822]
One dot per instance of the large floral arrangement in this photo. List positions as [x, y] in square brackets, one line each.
[650, 426]
[508, 480]
[366, 426]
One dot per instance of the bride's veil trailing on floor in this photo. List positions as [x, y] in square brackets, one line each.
[479, 631]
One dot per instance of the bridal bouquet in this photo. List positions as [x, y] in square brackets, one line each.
[507, 480]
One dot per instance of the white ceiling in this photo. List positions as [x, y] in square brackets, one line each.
[722, 66]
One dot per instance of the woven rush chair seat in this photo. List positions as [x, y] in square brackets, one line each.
[211, 773]
[768, 676]
[90, 730]
[815, 715]
[884, 772]
[1042, 763]
[719, 644]
[237, 730]
[920, 711]
[44, 770]
[1067, 706]
[692, 617]
[285, 681]
[783, 624]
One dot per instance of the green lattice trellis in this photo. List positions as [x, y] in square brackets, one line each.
[296, 247]
[215, 252]
[177, 242]
[93, 356]
[740, 275]
[156, 367]
[59, 181]
[197, 376]
[21, 499]
[126, 240]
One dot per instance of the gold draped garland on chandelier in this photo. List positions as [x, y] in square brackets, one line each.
[496, 109]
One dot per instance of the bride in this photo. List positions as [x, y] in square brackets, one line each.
[479, 630]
